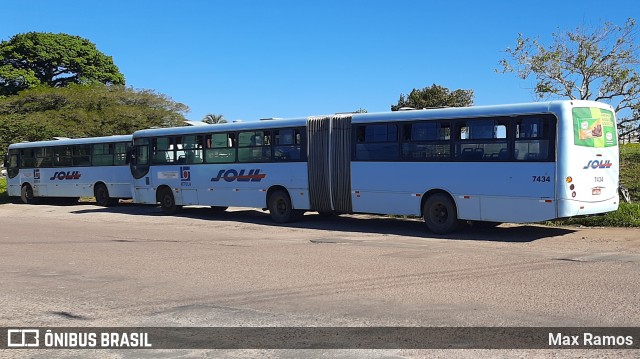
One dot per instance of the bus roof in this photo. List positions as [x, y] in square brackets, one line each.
[478, 111]
[222, 127]
[72, 141]
[439, 113]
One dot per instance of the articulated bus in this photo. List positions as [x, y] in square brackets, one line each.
[71, 168]
[508, 163]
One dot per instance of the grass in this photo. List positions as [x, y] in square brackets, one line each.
[4, 198]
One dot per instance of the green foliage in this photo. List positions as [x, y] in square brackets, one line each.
[54, 60]
[602, 64]
[4, 197]
[434, 96]
[213, 119]
[630, 169]
[84, 111]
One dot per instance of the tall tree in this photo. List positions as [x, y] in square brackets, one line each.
[54, 60]
[84, 111]
[434, 96]
[213, 119]
[600, 64]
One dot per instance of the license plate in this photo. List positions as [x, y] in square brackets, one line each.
[596, 191]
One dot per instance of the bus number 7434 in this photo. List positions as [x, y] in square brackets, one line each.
[541, 178]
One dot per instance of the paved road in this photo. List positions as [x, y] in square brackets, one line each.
[83, 265]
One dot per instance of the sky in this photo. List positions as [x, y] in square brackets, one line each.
[259, 59]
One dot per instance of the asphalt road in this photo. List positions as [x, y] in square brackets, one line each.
[83, 265]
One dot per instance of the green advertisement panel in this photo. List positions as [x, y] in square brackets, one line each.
[594, 127]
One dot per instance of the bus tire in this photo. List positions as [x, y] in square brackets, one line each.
[440, 214]
[168, 202]
[26, 194]
[280, 208]
[101, 193]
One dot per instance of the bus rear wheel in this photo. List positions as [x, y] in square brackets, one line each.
[26, 194]
[440, 214]
[280, 208]
[168, 202]
[101, 193]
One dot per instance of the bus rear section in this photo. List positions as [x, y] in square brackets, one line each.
[588, 160]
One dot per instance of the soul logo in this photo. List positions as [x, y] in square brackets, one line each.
[68, 175]
[231, 175]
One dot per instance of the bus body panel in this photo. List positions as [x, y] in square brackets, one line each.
[481, 191]
[232, 184]
[72, 181]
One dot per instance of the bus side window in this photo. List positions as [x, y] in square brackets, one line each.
[27, 158]
[44, 157]
[102, 154]
[62, 156]
[80, 155]
[287, 145]
[532, 142]
[120, 153]
[377, 142]
[12, 164]
[220, 148]
[162, 150]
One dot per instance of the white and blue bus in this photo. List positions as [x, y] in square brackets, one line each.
[70, 168]
[508, 163]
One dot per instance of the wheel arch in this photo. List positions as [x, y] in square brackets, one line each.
[433, 191]
[273, 189]
[161, 189]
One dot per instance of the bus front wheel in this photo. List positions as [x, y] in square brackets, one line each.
[440, 214]
[168, 202]
[101, 193]
[26, 194]
[280, 208]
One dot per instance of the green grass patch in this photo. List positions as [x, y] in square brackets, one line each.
[4, 198]
[627, 215]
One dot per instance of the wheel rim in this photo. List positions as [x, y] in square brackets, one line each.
[439, 214]
[167, 201]
[281, 206]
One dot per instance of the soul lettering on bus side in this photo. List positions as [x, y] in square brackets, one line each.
[69, 175]
[231, 175]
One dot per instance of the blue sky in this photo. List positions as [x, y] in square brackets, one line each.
[256, 59]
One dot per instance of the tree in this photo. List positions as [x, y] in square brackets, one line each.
[84, 111]
[600, 64]
[434, 96]
[214, 119]
[55, 60]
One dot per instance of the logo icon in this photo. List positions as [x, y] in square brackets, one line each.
[23, 338]
[36, 173]
[185, 173]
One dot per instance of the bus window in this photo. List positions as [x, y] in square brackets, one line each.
[220, 148]
[44, 157]
[27, 158]
[189, 149]
[426, 141]
[286, 145]
[482, 140]
[254, 146]
[377, 142]
[62, 156]
[102, 154]
[81, 155]
[532, 140]
[162, 150]
[12, 164]
[120, 153]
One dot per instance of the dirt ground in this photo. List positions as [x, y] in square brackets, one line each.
[83, 265]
